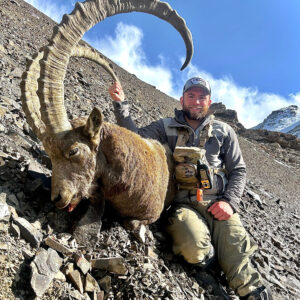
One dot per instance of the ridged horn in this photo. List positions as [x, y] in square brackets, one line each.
[29, 85]
[93, 55]
[67, 35]
[30, 100]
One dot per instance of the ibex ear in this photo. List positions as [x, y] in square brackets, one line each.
[93, 124]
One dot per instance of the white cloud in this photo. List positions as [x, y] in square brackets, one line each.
[126, 50]
[50, 8]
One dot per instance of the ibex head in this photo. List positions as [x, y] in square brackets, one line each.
[72, 146]
[74, 160]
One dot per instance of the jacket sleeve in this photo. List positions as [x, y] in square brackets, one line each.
[236, 168]
[155, 130]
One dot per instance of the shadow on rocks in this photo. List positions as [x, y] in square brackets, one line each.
[20, 287]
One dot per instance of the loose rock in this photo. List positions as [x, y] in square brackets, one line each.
[91, 284]
[4, 212]
[82, 264]
[105, 283]
[75, 277]
[115, 265]
[28, 232]
[140, 234]
[14, 230]
[44, 267]
[56, 245]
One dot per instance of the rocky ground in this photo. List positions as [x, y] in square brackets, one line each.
[122, 264]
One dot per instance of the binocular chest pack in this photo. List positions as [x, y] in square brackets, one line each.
[192, 170]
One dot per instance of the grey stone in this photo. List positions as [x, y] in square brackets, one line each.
[3, 227]
[21, 196]
[82, 264]
[14, 230]
[98, 295]
[56, 245]
[32, 186]
[150, 253]
[17, 73]
[91, 284]
[3, 197]
[60, 276]
[114, 265]
[256, 197]
[140, 234]
[2, 49]
[73, 244]
[15, 2]
[148, 266]
[3, 246]
[27, 253]
[277, 243]
[75, 278]
[68, 268]
[44, 267]
[75, 295]
[4, 212]
[105, 283]
[12, 199]
[86, 296]
[28, 232]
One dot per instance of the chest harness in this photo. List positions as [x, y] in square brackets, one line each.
[192, 170]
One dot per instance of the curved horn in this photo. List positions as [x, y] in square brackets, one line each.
[93, 55]
[30, 100]
[29, 85]
[68, 33]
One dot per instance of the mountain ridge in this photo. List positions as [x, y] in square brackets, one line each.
[286, 120]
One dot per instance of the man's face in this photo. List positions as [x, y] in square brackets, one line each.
[195, 103]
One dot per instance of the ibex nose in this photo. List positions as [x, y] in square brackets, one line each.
[57, 199]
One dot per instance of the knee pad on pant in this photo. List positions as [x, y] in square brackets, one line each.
[190, 234]
[194, 254]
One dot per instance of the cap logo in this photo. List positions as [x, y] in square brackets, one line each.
[197, 81]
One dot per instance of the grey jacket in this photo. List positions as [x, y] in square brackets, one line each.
[222, 148]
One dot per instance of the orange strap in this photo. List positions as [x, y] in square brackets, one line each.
[199, 195]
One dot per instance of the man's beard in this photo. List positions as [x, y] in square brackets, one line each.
[196, 115]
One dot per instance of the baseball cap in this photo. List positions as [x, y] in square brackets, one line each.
[197, 82]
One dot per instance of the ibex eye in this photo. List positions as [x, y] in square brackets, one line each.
[73, 151]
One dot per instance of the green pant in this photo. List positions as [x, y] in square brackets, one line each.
[193, 229]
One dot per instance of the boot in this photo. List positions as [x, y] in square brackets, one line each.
[211, 285]
[261, 293]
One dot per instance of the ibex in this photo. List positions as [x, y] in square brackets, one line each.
[92, 158]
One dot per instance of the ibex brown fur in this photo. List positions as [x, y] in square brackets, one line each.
[92, 158]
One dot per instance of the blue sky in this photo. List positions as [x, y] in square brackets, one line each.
[249, 50]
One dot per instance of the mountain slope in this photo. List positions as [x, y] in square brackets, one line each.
[285, 120]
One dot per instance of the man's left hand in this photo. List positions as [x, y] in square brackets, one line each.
[221, 210]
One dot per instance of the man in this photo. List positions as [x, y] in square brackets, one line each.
[203, 217]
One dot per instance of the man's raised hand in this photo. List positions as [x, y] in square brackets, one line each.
[116, 92]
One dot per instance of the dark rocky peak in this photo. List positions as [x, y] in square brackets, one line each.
[227, 115]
